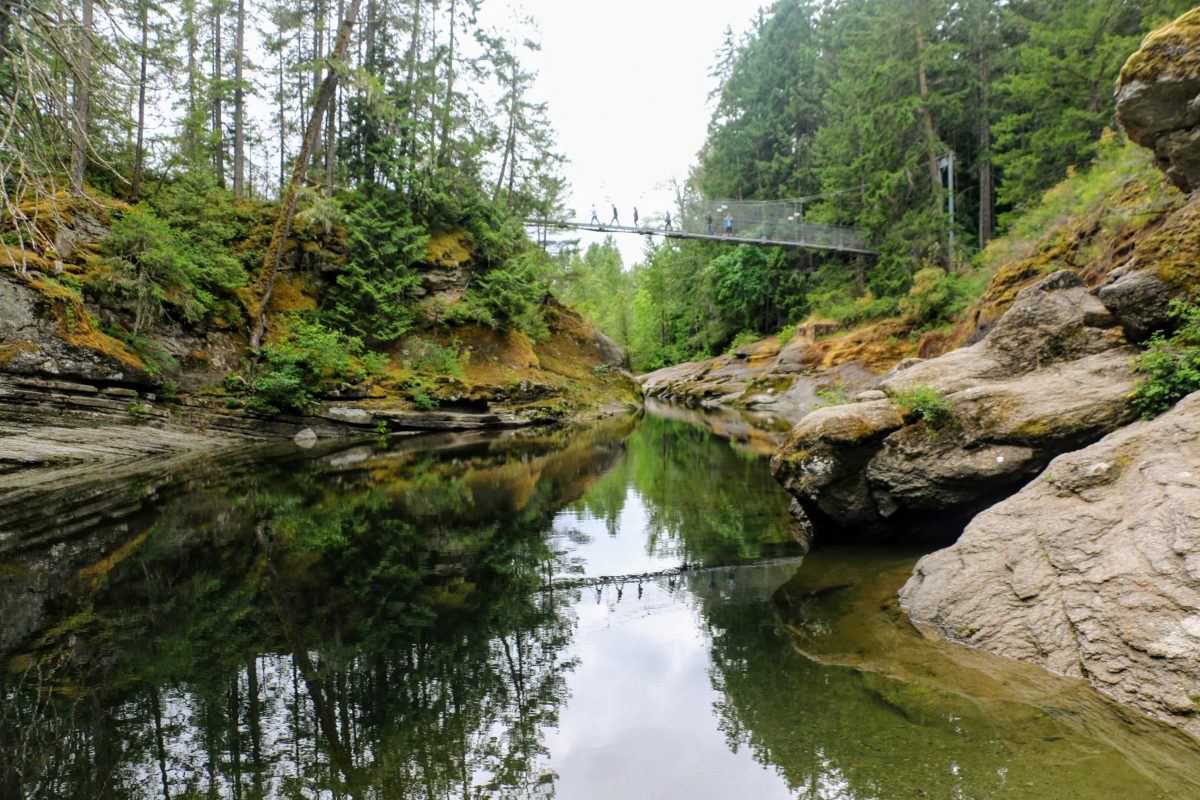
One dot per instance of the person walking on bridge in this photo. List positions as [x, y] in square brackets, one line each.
[667, 224]
[595, 219]
[615, 220]
[635, 217]
[729, 225]
[708, 222]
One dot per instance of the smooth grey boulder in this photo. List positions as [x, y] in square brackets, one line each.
[1092, 570]
[1140, 300]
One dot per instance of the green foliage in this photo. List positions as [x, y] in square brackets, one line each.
[149, 267]
[835, 395]
[934, 297]
[309, 360]
[1171, 364]
[741, 339]
[743, 280]
[374, 294]
[1084, 194]
[786, 333]
[597, 285]
[431, 357]
[924, 403]
[138, 411]
[174, 253]
[508, 296]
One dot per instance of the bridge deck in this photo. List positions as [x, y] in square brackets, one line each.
[837, 245]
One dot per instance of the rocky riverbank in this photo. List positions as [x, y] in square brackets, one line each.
[1089, 567]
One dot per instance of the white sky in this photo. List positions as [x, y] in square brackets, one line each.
[627, 86]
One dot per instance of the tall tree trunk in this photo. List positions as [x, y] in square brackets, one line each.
[83, 95]
[410, 111]
[218, 90]
[331, 120]
[366, 158]
[987, 180]
[931, 138]
[282, 119]
[287, 206]
[143, 55]
[510, 139]
[239, 104]
[189, 25]
[448, 106]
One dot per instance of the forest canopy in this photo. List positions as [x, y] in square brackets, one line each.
[856, 107]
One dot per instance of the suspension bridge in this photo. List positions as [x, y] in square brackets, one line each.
[767, 223]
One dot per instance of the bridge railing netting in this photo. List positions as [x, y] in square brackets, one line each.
[771, 220]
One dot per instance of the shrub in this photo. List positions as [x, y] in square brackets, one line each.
[509, 296]
[432, 357]
[155, 263]
[148, 265]
[312, 357]
[924, 403]
[1171, 364]
[835, 395]
[742, 338]
[374, 296]
[933, 297]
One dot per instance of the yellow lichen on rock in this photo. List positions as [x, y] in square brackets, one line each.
[447, 250]
[1172, 51]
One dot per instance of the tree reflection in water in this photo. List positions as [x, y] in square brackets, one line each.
[376, 623]
[366, 625]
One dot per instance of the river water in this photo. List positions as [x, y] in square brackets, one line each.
[618, 611]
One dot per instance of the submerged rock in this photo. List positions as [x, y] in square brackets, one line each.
[1093, 570]
[1052, 375]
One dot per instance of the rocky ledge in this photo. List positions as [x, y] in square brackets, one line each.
[1093, 570]
[783, 380]
[958, 430]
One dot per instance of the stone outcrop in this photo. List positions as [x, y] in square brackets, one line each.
[1093, 570]
[784, 381]
[1051, 376]
[1158, 98]
[32, 343]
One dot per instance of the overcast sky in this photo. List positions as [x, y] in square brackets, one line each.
[627, 85]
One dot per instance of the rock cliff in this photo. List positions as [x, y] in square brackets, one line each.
[1053, 374]
[1092, 570]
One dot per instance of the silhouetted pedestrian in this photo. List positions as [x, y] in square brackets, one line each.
[667, 224]
[635, 217]
[615, 220]
[708, 222]
[595, 219]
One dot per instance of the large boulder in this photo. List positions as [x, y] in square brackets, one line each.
[1051, 376]
[1158, 98]
[1093, 570]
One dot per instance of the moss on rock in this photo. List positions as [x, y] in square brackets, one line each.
[1172, 51]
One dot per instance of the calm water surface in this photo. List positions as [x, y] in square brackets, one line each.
[611, 612]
